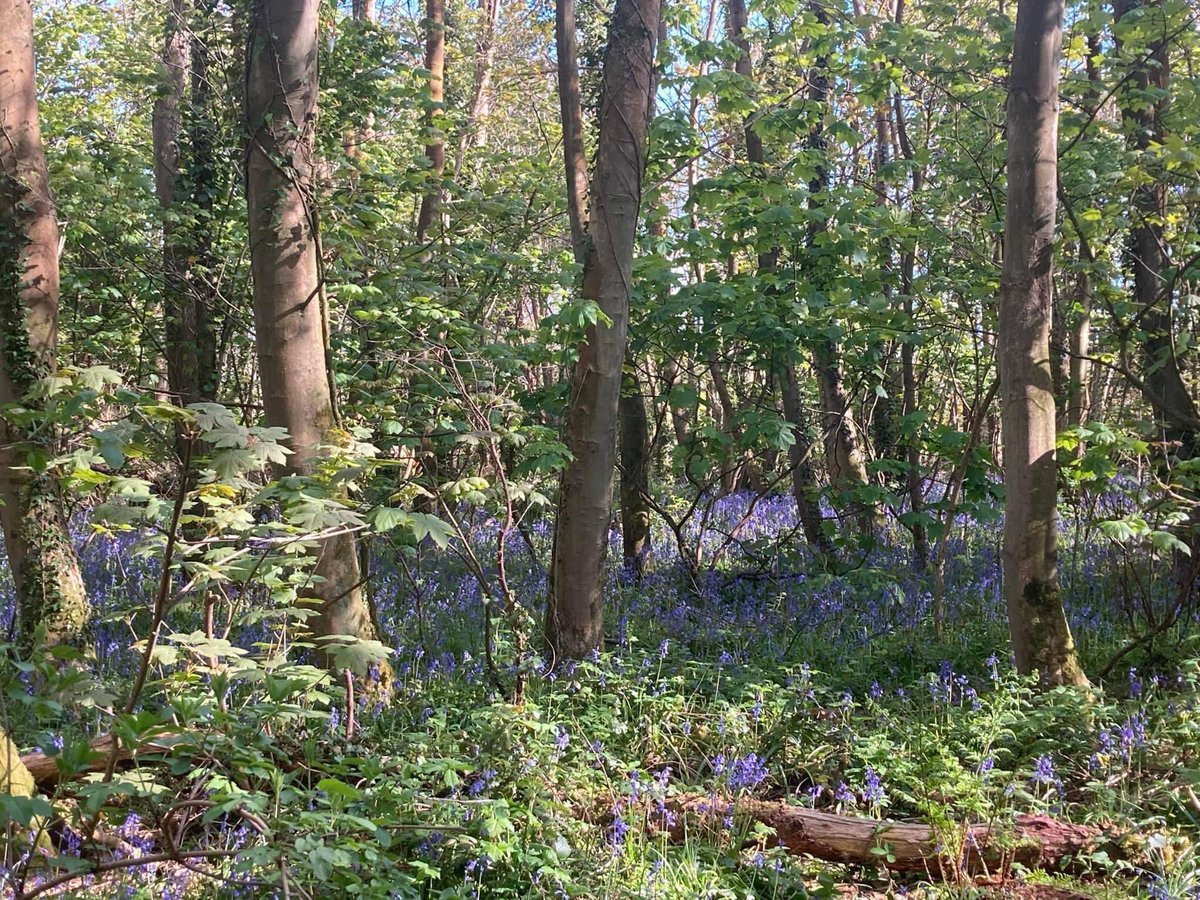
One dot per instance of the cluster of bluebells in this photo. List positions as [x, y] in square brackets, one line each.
[742, 772]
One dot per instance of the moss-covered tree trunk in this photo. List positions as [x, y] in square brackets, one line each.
[50, 595]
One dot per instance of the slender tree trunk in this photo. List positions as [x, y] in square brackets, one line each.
[804, 478]
[1079, 338]
[1041, 637]
[843, 451]
[804, 483]
[635, 474]
[435, 147]
[1079, 386]
[908, 351]
[51, 600]
[474, 132]
[574, 621]
[190, 344]
[571, 110]
[290, 319]
[199, 160]
[1143, 105]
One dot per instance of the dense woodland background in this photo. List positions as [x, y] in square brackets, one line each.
[529, 449]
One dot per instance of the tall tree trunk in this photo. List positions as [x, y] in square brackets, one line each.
[804, 478]
[363, 13]
[908, 351]
[574, 620]
[571, 113]
[51, 600]
[190, 343]
[199, 160]
[474, 132]
[435, 146]
[289, 314]
[1142, 105]
[804, 482]
[1079, 369]
[1041, 637]
[843, 451]
[1079, 385]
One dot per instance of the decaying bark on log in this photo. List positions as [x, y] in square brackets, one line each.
[1036, 842]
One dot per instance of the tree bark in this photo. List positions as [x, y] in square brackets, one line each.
[1142, 104]
[571, 110]
[843, 451]
[1041, 638]
[435, 147]
[635, 475]
[191, 350]
[908, 351]
[475, 129]
[1036, 842]
[51, 600]
[804, 479]
[1079, 384]
[574, 620]
[290, 319]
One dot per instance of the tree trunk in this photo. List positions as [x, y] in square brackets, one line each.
[1079, 370]
[1036, 842]
[571, 109]
[1165, 390]
[1041, 637]
[1079, 387]
[908, 351]
[190, 343]
[51, 599]
[804, 480]
[635, 474]
[843, 451]
[475, 130]
[574, 621]
[435, 147]
[289, 314]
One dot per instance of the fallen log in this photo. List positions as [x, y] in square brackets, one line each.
[45, 771]
[1036, 842]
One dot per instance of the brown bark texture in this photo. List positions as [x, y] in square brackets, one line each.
[50, 595]
[1165, 390]
[190, 346]
[474, 132]
[574, 621]
[435, 147]
[571, 112]
[281, 107]
[1035, 841]
[804, 478]
[635, 474]
[1041, 638]
[844, 459]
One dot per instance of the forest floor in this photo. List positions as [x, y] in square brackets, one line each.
[751, 676]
